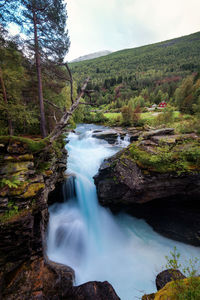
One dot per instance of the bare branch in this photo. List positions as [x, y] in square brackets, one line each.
[52, 104]
[60, 127]
[54, 116]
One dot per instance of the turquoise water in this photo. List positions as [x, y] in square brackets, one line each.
[99, 246]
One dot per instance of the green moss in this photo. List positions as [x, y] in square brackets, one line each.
[25, 157]
[43, 166]
[167, 158]
[115, 180]
[32, 145]
[33, 189]
[12, 215]
[188, 288]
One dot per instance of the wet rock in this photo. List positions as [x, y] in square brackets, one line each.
[109, 135]
[23, 222]
[166, 276]
[163, 131]
[149, 297]
[39, 279]
[93, 290]
[167, 200]
[120, 180]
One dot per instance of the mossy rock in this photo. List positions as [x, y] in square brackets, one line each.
[19, 190]
[48, 173]
[180, 289]
[15, 167]
[25, 157]
[149, 297]
[184, 158]
[33, 189]
[16, 144]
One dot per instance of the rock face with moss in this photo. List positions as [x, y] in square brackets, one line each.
[174, 285]
[156, 178]
[29, 170]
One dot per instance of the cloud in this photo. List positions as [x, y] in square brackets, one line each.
[117, 24]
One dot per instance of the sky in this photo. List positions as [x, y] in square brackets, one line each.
[96, 25]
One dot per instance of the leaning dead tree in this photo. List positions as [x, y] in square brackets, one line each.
[60, 126]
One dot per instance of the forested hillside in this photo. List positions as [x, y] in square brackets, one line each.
[152, 72]
[34, 80]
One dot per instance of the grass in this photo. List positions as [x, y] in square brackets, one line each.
[112, 115]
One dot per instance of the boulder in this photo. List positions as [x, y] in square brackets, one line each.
[94, 290]
[39, 279]
[109, 135]
[162, 131]
[166, 276]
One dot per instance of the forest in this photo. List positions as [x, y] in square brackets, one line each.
[34, 82]
[146, 75]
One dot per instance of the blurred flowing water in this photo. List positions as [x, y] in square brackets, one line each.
[99, 246]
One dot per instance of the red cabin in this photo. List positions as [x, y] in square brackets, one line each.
[162, 104]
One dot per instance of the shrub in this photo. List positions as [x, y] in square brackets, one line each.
[166, 117]
[127, 114]
[186, 288]
[136, 116]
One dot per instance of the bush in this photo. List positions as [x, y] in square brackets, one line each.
[99, 117]
[136, 116]
[127, 114]
[186, 288]
[166, 117]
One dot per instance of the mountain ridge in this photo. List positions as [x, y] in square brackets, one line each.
[91, 56]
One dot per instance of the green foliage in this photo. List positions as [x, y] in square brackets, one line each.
[10, 213]
[49, 17]
[127, 112]
[173, 261]
[187, 96]
[137, 101]
[18, 71]
[11, 182]
[151, 72]
[166, 117]
[185, 289]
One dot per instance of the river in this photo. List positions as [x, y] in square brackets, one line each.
[121, 249]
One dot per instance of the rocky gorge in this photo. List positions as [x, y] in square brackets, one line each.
[29, 172]
[156, 178]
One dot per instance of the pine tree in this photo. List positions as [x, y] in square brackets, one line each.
[43, 23]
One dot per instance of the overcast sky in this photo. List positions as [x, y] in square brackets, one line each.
[96, 25]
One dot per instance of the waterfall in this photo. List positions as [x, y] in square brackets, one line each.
[97, 245]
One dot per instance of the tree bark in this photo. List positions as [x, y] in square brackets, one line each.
[10, 127]
[39, 77]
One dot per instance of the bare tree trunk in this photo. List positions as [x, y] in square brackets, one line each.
[39, 77]
[60, 126]
[10, 127]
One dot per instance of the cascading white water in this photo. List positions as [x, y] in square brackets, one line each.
[99, 246]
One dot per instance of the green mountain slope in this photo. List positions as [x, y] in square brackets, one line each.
[157, 66]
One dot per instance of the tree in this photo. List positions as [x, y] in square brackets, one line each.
[11, 80]
[43, 23]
